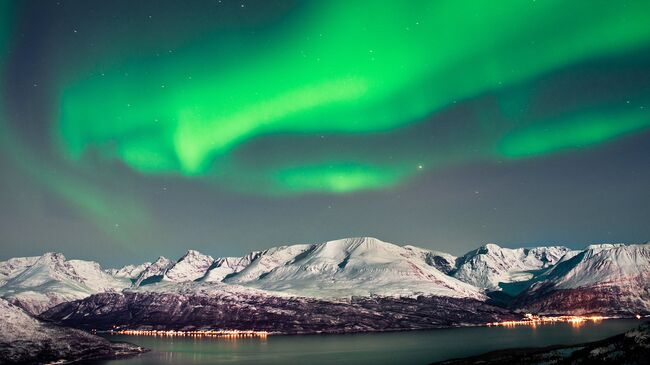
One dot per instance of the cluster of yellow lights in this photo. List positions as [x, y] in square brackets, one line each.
[206, 333]
[528, 320]
[533, 320]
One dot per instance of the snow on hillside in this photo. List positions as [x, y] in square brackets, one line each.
[14, 266]
[93, 277]
[154, 272]
[207, 289]
[51, 280]
[604, 246]
[193, 265]
[226, 266]
[605, 279]
[268, 260]
[358, 267]
[611, 265]
[440, 260]
[129, 271]
[490, 265]
[339, 269]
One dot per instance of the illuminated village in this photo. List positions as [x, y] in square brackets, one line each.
[529, 319]
[197, 333]
[534, 320]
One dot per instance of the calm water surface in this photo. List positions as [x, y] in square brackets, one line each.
[415, 347]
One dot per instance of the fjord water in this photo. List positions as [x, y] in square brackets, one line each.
[414, 347]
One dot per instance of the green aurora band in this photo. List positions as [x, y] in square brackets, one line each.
[346, 68]
[80, 191]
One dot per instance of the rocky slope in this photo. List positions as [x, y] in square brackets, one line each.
[24, 339]
[250, 310]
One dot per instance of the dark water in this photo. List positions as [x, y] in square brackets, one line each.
[416, 347]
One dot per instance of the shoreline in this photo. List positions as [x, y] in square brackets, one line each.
[575, 321]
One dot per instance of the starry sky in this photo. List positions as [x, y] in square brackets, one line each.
[130, 129]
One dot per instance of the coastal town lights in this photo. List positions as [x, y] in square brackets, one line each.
[533, 320]
[197, 333]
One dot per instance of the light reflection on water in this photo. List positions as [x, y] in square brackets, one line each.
[414, 347]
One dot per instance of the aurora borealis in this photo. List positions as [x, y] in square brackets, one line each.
[234, 125]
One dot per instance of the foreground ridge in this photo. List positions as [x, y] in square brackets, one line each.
[24, 339]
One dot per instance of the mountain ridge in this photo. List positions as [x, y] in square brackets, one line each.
[345, 268]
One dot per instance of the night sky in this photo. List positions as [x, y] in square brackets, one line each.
[132, 129]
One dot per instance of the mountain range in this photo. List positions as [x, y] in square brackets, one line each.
[355, 284]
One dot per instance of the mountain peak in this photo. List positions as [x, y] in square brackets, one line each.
[154, 272]
[52, 256]
[191, 253]
[604, 246]
[359, 243]
[350, 267]
[193, 265]
[491, 247]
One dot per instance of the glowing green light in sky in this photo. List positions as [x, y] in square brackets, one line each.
[87, 198]
[342, 68]
[197, 138]
[336, 177]
[578, 132]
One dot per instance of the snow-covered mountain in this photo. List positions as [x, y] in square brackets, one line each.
[227, 266]
[14, 266]
[351, 267]
[490, 265]
[154, 272]
[346, 268]
[131, 272]
[266, 261]
[598, 278]
[604, 266]
[335, 269]
[24, 339]
[193, 265]
[346, 285]
[52, 279]
[440, 260]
